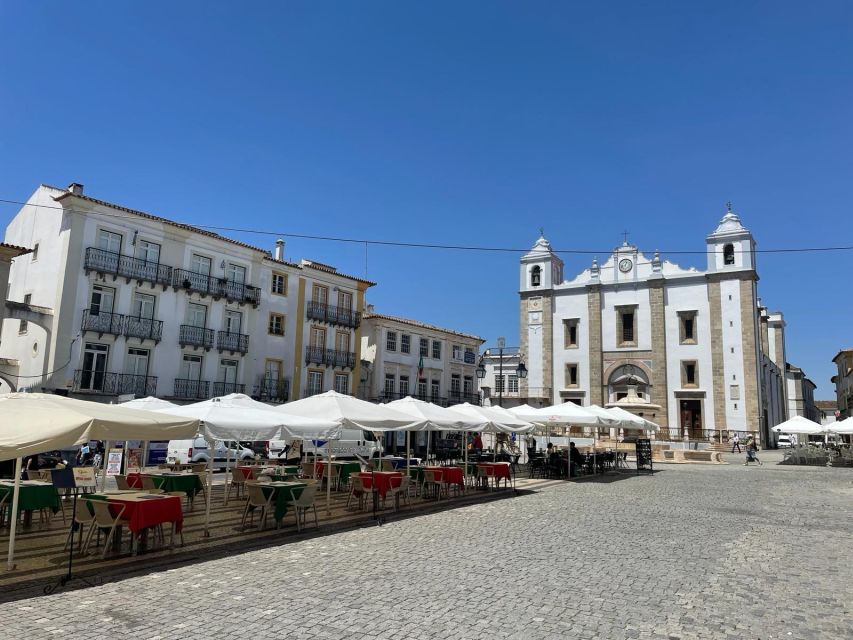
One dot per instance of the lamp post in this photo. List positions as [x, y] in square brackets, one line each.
[520, 371]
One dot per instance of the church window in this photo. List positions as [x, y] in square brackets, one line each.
[570, 333]
[687, 322]
[571, 375]
[535, 276]
[729, 254]
[688, 373]
[626, 319]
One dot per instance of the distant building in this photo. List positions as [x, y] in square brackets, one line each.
[501, 386]
[827, 410]
[405, 357]
[141, 305]
[843, 381]
[697, 345]
[8, 366]
[801, 400]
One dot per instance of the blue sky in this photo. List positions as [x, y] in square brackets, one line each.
[456, 123]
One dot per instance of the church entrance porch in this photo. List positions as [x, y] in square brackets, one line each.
[691, 418]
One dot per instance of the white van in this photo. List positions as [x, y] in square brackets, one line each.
[188, 451]
[353, 443]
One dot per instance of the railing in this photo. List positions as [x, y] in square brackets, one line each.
[711, 436]
[224, 388]
[217, 287]
[103, 322]
[191, 389]
[273, 389]
[443, 401]
[227, 341]
[193, 336]
[143, 328]
[93, 381]
[329, 357]
[113, 263]
[323, 312]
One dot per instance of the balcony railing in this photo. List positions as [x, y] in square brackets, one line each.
[204, 284]
[234, 342]
[106, 382]
[342, 316]
[102, 322]
[143, 328]
[192, 336]
[224, 388]
[192, 389]
[329, 357]
[109, 262]
[444, 401]
[273, 389]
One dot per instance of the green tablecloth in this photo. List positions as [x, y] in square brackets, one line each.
[189, 483]
[346, 469]
[32, 496]
[283, 496]
[283, 472]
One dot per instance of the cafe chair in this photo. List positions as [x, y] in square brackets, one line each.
[303, 503]
[82, 518]
[308, 469]
[183, 495]
[431, 482]
[148, 485]
[357, 490]
[388, 465]
[198, 467]
[237, 483]
[256, 499]
[103, 520]
[402, 490]
[122, 483]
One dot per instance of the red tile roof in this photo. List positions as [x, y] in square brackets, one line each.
[21, 250]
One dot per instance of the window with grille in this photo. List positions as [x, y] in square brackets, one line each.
[276, 324]
[342, 383]
[436, 349]
[279, 283]
[391, 341]
[315, 383]
[405, 343]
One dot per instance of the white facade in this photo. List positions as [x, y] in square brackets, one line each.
[501, 385]
[146, 306]
[692, 340]
[409, 358]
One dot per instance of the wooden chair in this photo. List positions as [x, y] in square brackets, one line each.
[256, 499]
[238, 482]
[122, 483]
[103, 520]
[303, 503]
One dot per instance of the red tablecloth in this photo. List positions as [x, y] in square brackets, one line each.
[141, 514]
[500, 470]
[248, 472]
[385, 480]
[134, 480]
[450, 475]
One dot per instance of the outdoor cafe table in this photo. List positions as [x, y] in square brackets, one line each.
[498, 470]
[283, 472]
[344, 468]
[143, 511]
[385, 480]
[283, 494]
[250, 472]
[189, 483]
[450, 475]
[34, 495]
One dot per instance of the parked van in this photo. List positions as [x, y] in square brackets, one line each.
[197, 450]
[352, 443]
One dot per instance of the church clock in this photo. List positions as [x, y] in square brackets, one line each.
[625, 265]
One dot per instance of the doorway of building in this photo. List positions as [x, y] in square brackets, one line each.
[691, 419]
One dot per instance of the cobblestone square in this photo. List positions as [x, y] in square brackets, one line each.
[691, 552]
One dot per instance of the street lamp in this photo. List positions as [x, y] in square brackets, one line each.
[520, 371]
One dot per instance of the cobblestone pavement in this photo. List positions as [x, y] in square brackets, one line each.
[692, 552]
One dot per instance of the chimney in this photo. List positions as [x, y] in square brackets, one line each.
[76, 188]
[368, 308]
[279, 249]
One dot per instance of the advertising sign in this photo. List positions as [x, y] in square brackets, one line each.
[84, 476]
[134, 460]
[114, 462]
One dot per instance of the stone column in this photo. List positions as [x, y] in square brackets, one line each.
[660, 390]
[718, 374]
[596, 383]
[750, 353]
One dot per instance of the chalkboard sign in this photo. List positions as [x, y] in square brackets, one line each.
[644, 454]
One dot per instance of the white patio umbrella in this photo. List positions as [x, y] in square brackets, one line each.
[799, 424]
[630, 420]
[31, 423]
[351, 412]
[437, 418]
[149, 403]
[844, 427]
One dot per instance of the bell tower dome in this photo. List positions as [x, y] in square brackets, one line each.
[731, 246]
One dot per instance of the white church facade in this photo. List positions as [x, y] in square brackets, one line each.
[694, 345]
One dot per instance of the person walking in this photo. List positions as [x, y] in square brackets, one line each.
[751, 451]
[736, 443]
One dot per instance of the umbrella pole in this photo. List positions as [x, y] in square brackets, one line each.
[14, 515]
[328, 477]
[427, 449]
[210, 448]
[227, 460]
[408, 456]
[104, 462]
[465, 454]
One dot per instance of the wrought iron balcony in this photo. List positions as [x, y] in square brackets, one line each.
[234, 342]
[193, 336]
[224, 388]
[109, 262]
[329, 357]
[273, 389]
[192, 389]
[143, 328]
[342, 316]
[204, 284]
[103, 322]
[107, 382]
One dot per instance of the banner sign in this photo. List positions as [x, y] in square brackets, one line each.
[134, 460]
[114, 462]
[84, 476]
